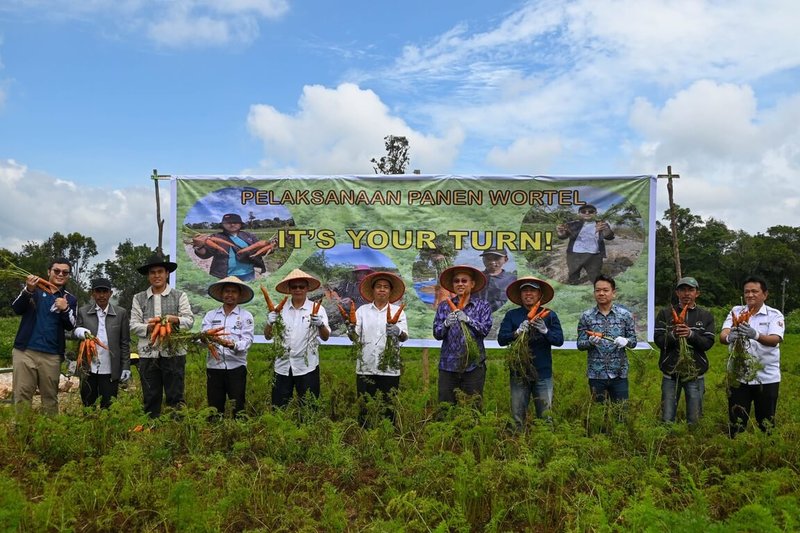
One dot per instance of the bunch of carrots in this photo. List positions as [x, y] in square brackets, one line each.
[277, 348]
[349, 317]
[13, 271]
[473, 353]
[256, 249]
[162, 329]
[88, 349]
[390, 357]
[685, 366]
[518, 355]
[311, 338]
[742, 365]
[212, 338]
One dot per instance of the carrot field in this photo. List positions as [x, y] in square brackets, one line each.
[458, 469]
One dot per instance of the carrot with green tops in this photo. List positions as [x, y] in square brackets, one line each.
[316, 306]
[270, 305]
[534, 310]
[451, 304]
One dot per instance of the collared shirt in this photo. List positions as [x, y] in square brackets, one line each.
[239, 327]
[300, 339]
[101, 364]
[606, 360]
[139, 320]
[767, 321]
[371, 330]
[454, 346]
[586, 241]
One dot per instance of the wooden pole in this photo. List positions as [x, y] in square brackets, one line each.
[159, 220]
[673, 224]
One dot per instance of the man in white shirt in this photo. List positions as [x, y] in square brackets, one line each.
[762, 334]
[109, 367]
[586, 248]
[298, 368]
[226, 371]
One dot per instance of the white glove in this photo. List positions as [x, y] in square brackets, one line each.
[392, 330]
[539, 326]
[593, 339]
[272, 317]
[746, 330]
[451, 319]
[621, 342]
[81, 332]
[126, 375]
[523, 328]
[462, 316]
[315, 320]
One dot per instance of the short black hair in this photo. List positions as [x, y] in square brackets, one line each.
[59, 261]
[756, 279]
[609, 279]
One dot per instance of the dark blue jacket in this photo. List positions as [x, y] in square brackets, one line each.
[26, 303]
[540, 345]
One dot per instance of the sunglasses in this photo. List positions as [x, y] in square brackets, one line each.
[588, 211]
[59, 272]
[293, 287]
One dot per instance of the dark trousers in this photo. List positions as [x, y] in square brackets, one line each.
[470, 383]
[615, 389]
[370, 385]
[162, 375]
[223, 384]
[98, 385]
[284, 386]
[764, 399]
[592, 263]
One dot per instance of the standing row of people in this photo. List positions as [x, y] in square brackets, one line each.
[683, 334]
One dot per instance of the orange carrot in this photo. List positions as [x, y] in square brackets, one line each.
[212, 244]
[594, 333]
[316, 306]
[462, 303]
[352, 312]
[542, 314]
[342, 311]
[155, 334]
[682, 316]
[253, 247]
[221, 242]
[279, 307]
[388, 314]
[99, 343]
[265, 250]
[451, 304]
[675, 318]
[46, 286]
[396, 316]
[213, 351]
[168, 327]
[81, 350]
[270, 305]
[534, 310]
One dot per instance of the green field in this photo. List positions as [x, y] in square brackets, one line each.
[459, 470]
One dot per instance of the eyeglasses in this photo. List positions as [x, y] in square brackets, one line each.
[59, 272]
[293, 287]
[588, 211]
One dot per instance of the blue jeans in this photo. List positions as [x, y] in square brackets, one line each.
[615, 389]
[671, 393]
[521, 392]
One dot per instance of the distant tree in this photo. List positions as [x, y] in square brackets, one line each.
[396, 159]
[122, 273]
[251, 218]
[79, 249]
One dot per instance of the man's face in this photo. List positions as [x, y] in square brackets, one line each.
[754, 296]
[101, 296]
[587, 213]
[58, 274]
[494, 263]
[231, 227]
[530, 296]
[463, 283]
[157, 276]
[603, 292]
[298, 289]
[230, 294]
[381, 290]
[687, 295]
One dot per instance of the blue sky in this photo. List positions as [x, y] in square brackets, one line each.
[97, 93]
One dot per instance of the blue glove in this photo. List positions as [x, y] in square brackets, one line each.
[392, 330]
[746, 330]
[462, 316]
[126, 375]
[450, 320]
[315, 321]
[539, 326]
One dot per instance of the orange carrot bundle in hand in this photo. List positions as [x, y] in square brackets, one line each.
[162, 329]
[393, 319]
[270, 305]
[316, 306]
[13, 271]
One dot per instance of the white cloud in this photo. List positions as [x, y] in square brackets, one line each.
[109, 216]
[339, 131]
[526, 154]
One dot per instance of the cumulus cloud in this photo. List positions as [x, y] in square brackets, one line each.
[36, 205]
[338, 131]
[526, 154]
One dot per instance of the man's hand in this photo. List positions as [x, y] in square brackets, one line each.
[81, 332]
[450, 320]
[272, 317]
[681, 330]
[746, 330]
[594, 339]
[199, 241]
[315, 321]
[732, 336]
[621, 342]
[523, 328]
[539, 325]
[392, 330]
[126, 375]
[462, 316]
[30, 283]
[61, 304]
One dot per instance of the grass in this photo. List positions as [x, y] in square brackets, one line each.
[451, 470]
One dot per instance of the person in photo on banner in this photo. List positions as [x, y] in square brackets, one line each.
[226, 370]
[350, 290]
[497, 278]
[605, 331]
[462, 360]
[41, 340]
[162, 371]
[760, 334]
[231, 262]
[378, 369]
[109, 367]
[586, 248]
[683, 343]
[542, 331]
[298, 369]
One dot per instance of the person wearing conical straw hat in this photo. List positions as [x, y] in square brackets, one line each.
[298, 369]
[161, 370]
[462, 360]
[378, 369]
[226, 374]
[533, 375]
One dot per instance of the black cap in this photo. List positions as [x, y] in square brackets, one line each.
[231, 218]
[495, 251]
[101, 283]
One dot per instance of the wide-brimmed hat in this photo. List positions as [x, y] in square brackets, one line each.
[514, 290]
[245, 292]
[363, 268]
[296, 274]
[157, 260]
[446, 277]
[366, 288]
